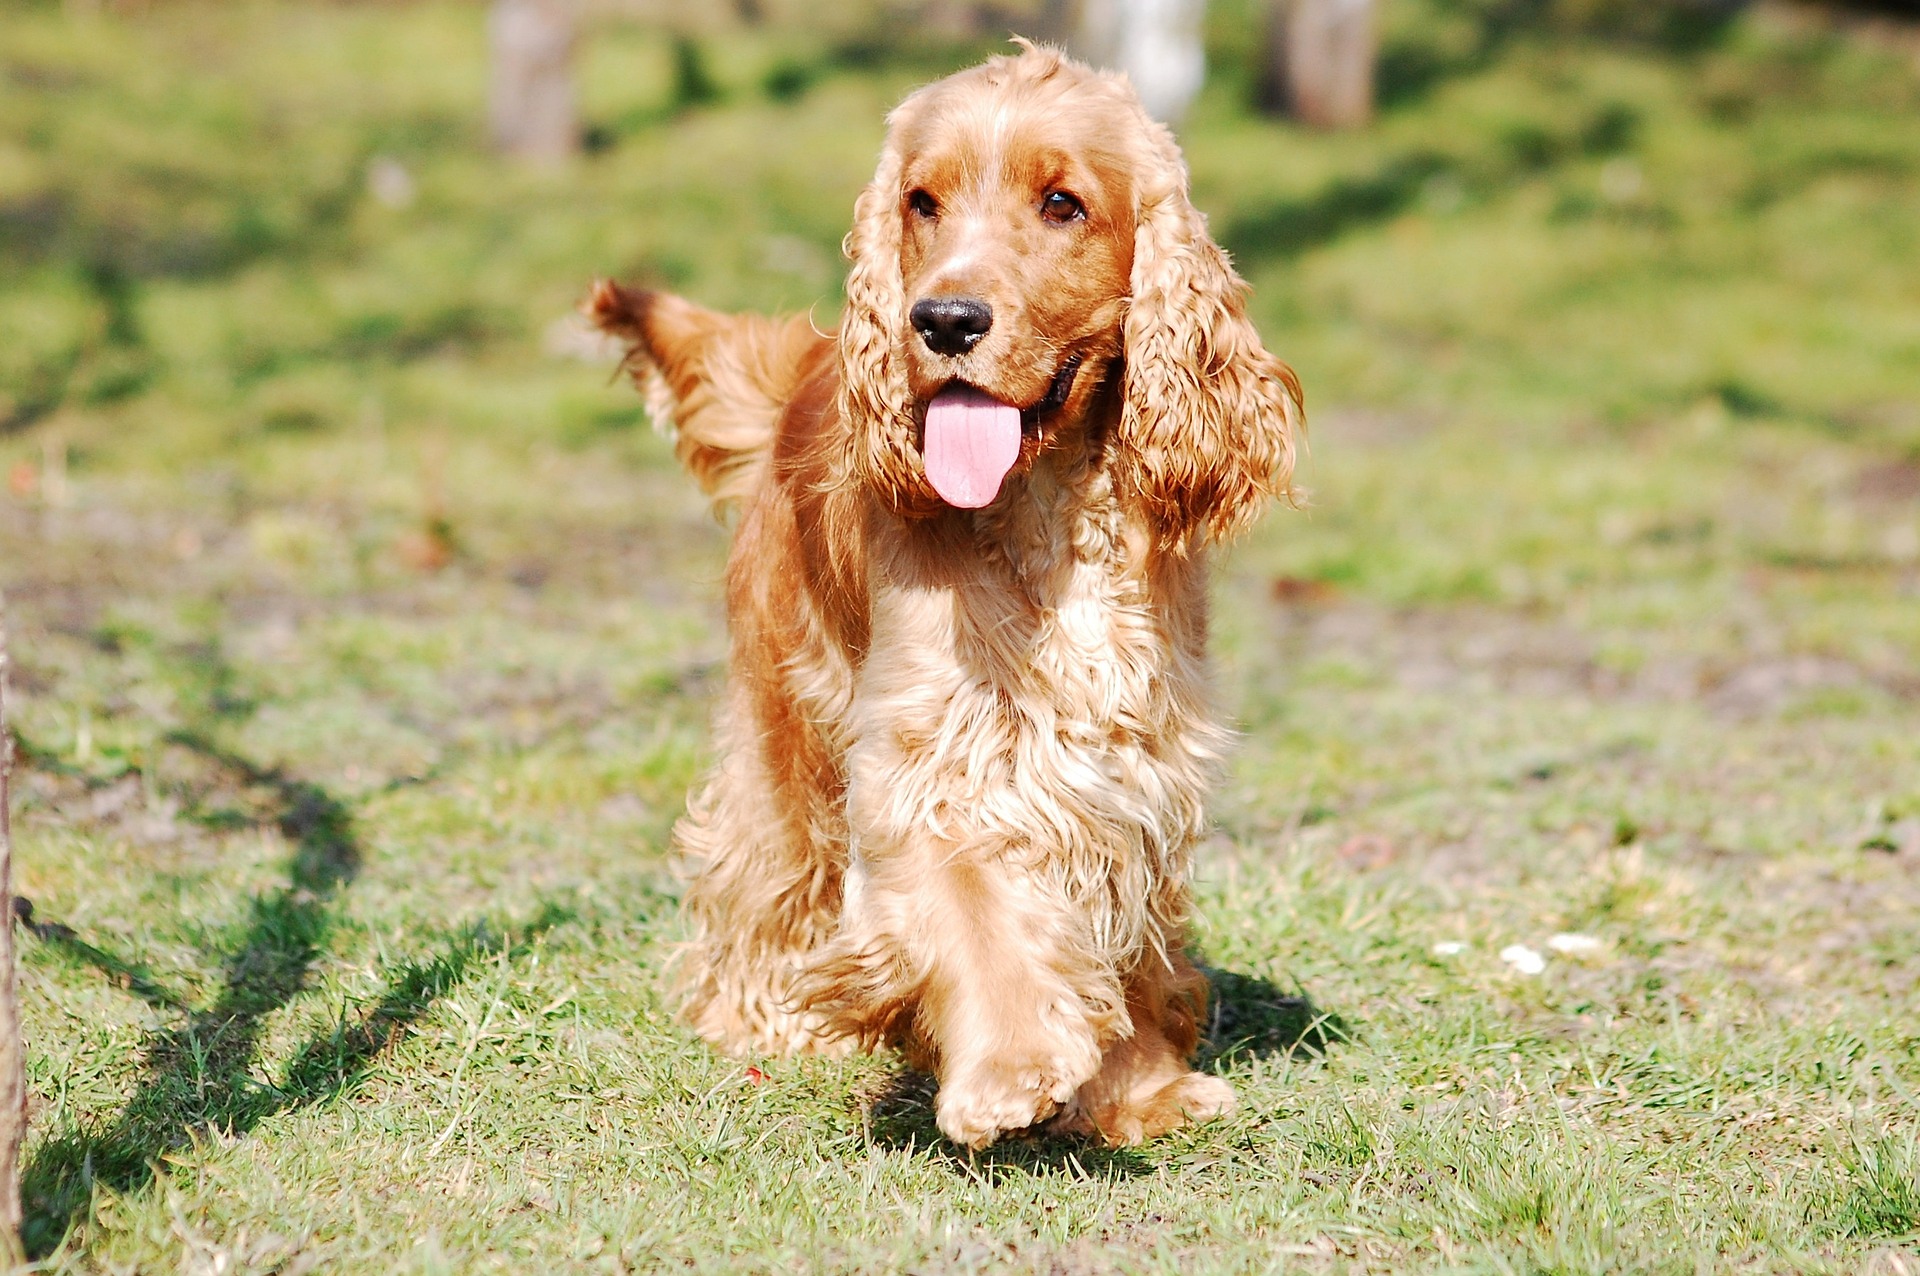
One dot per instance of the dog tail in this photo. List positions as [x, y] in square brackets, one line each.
[715, 384]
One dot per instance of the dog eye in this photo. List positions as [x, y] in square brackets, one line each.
[922, 203]
[1060, 208]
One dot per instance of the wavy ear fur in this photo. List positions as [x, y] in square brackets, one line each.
[874, 399]
[1210, 420]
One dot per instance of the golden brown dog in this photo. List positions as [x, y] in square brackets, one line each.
[966, 737]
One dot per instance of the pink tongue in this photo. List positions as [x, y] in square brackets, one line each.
[972, 441]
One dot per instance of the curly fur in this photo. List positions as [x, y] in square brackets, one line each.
[964, 754]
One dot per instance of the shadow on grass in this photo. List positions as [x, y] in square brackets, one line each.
[1412, 65]
[1252, 1018]
[121, 972]
[1289, 227]
[199, 1077]
[1399, 183]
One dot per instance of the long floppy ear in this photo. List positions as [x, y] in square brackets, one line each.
[874, 399]
[1210, 420]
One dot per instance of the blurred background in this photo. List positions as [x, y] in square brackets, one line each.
[1607, 308]
[352, 598]
[250, 217]
[245, 231]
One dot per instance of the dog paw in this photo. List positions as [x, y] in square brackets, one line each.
[975, 1107]
[1192, 1099]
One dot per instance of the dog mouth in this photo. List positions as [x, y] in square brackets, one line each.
[972, 440]
[1056, 396]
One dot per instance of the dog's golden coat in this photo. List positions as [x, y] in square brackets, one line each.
[964, 753]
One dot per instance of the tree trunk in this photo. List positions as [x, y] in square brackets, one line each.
[1155, 42]
[1320, 62]
[532, 94]
[13, 1080]
[951, 19]
[1052, 22]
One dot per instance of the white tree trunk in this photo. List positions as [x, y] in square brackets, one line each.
[1322, 61]
[532, 94]
[1157, 43]
[13, 1080]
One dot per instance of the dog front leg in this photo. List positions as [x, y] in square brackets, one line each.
[1146, 1086]
[1000, 1002]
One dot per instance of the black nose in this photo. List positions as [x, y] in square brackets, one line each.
[951, 325]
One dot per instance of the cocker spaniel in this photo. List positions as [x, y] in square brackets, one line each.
[966, 740]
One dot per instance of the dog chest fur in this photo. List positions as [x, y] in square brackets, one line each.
[1027, 702]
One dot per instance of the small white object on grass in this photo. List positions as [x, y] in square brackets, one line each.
[1527, 961]
[389, 182]
[1573, 945]
[1621, 181]
[1449, 948]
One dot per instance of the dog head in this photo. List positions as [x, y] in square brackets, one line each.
[1026, 241]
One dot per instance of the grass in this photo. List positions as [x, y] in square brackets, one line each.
[365, 642]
